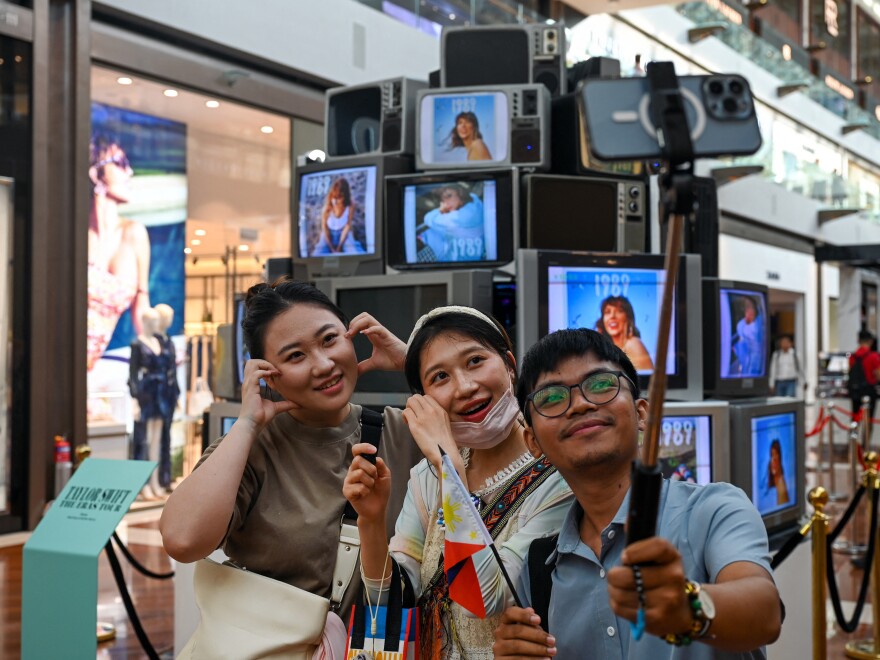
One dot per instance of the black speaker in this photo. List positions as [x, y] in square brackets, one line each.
[594, 67]
[469, 56]
[525, 145]
[373, 118]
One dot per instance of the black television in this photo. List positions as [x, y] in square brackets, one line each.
[340, 208]
[398, 302]
[461, 219]
[695, 441]
[619, 294]
[596, 214]
[737, 354]
[767, 456]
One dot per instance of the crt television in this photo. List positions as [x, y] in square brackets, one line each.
[737, 326]
[398, 302]
[620, 295]
[221, 417]
[767, 455]
[461, 219]
[371, 118]
[340, 208]
[584, 213]
[476, 127]
[695, 441]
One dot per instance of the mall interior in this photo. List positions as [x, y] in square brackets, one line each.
[157, 159]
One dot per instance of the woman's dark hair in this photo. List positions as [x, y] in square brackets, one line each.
[266, 301]
[471, 118]
[461, 323]
[457, 188]
[545, 356]
[778, 447]
[624, 305]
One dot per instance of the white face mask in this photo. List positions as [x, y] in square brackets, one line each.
[494, 428]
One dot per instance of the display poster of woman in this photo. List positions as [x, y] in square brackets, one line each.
[137, 232]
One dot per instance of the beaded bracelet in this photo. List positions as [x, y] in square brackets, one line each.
[701, 622]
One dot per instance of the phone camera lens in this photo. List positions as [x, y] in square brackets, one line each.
[730, 105]
[715, 87]
[736, 87]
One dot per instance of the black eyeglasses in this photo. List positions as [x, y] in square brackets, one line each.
[598, 388]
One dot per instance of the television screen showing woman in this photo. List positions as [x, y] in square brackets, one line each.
[773, 462]
[623, 303]
[451, 222]
[743, 341]
[462, 128]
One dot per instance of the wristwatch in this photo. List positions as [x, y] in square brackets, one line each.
[703, 611]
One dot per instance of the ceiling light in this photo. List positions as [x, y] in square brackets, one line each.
[170, 93]
[212, 104]
[187, 250]
[195, 241]
[124, 80]
[243, 248]
[200, 232]
[267, 129]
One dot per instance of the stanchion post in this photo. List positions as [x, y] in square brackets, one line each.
[865, 420]
[858, 540]
[869, 649]
[818, 499]
[833, 495]
[853, 546]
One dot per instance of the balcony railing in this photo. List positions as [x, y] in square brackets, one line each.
[432, 15]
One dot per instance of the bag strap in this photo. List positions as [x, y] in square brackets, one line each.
[393, 616]
[348, 551]
[541, 577]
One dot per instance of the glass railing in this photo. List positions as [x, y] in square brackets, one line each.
[432, 16]
[770, 58]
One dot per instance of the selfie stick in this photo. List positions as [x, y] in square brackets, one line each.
[673, 135]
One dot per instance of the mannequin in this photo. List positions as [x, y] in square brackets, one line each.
[169, 391]
[145, 376]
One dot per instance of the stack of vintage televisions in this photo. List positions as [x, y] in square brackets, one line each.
[479, 189]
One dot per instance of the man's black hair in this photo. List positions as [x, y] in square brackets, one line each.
[549, 351]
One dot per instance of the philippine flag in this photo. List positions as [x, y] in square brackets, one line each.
[465, 536]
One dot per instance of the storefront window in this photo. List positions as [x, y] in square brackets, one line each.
[829, 25]
[16, 68]
[191, 195]
[868, 47]
[785, 17]
[865, 183]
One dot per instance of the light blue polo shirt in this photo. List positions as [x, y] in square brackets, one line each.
[712, 526]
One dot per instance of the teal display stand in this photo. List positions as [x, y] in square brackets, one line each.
[60, 562]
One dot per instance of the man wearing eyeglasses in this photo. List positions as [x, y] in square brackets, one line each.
[703, 582]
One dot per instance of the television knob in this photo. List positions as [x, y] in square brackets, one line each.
[635, 192]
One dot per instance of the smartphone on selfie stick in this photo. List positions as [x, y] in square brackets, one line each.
[674, 120]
